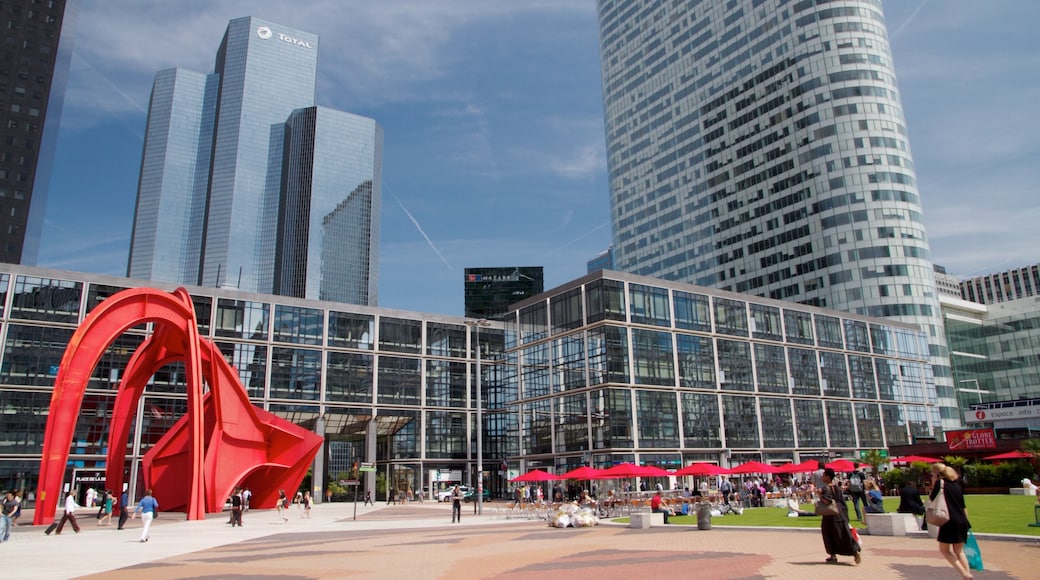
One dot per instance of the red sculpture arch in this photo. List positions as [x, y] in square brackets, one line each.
[221, 442]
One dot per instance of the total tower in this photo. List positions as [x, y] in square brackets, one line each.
[760, 146]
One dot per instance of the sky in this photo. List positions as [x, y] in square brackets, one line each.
[494, 149]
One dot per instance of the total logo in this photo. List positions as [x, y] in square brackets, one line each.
[265, 33]
[980, 415]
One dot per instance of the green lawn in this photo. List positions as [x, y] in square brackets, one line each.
[992, 514]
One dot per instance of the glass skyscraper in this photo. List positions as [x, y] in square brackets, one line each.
[759, 146]
[223, 153]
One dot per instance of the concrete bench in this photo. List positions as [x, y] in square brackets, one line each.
[1022, 491]
[894, 524]
[643, 520]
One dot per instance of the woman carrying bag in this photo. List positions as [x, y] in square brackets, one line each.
[837, 538]
[954, 533]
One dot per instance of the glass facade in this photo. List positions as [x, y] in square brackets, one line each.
[679, 371]
[759, 146]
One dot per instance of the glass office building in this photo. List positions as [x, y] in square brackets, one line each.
[607, 368]
[759, 146]
[615, 367]
[224, 151]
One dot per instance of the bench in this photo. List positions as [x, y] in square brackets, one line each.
[643, 520]
[894, 524]
[1022, 491]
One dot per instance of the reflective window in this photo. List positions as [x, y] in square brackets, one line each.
[5, 280]
[696, 361]
[771, 367]
[25, 421]
[652, 357]
[533, 323]
[605, 300]
[805, 380]
[241, 319]
[884, 340]
[536, 371]
[856, 336]
[840, 426]
[110, 367]
[658, 418]
[298, 325]
[446, 339]
[572, 423]
[402, 438]
[161, 414]
[46, 299]
[348, 377]
[569, 355]
[765, 322]
[913, 383]
[895, 425]
[608, 355]
[861, 369]
[614, 423]
[295, 373]
[537, 428]
[566, 311]
[203, 313]
[97, 293]
[828, 331]
[799, 326]
[649, 305]
[740, 417]
[730, 317]
[691, 311]
[400, 335]
[251, 362]
[446, 435]
[349, 330]
[305, 416]
[735, 370]
[868, 425]
[171, 379]
[32, 354]
[398, 381]
[811, 428]
[777, 422]
[887, 372]
[700, 413]
[445, 384]
[835, 376]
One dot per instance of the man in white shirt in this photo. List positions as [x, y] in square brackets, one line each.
[70, 514]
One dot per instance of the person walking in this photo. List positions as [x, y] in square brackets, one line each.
[237, 505]
[106, 520]
[306, 503]
[124, 509]
[70, 514]
[954, 533]
[391, 496]
[7, 509]
[456, 505]
[246, 496]
[147, 507]
[368, 498]
[857, 491]
[837, 538]
[283, 505]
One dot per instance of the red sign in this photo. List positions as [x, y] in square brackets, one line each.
[968, 439]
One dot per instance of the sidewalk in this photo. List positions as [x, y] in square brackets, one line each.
[419, 540]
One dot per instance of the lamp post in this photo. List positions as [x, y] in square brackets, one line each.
[476, 325]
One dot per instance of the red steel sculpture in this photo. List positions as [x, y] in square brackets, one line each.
[221, 442]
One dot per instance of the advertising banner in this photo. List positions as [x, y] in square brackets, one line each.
[969, 439]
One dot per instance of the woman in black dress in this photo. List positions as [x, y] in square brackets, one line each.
[953, 533]
[837, 538]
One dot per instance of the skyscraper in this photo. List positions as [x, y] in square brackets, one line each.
[759, 146]
[34, 65]
[234, 161]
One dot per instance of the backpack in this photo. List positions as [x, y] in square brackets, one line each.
[855, 483]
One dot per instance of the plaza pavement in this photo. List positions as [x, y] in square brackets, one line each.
[418, 541]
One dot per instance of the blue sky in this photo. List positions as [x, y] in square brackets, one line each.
[492, 113]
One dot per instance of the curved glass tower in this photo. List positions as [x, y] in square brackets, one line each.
[759, 146]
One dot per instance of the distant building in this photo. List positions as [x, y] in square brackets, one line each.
[604, 261]
[38, 38]
[490, 291]
[946, 284]
[240, 171]
[1002, 287]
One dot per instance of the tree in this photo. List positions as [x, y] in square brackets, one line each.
[874, 458]
[1032, 447]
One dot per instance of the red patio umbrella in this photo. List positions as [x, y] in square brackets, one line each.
[621, 470]
[807, 466]
[1016, 454]
[702, 469]
[583, 472]
[841, 465]
[535, 475]
[653, 471]
[753, 467]
[913, 459]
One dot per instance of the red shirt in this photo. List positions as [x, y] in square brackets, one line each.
[655, 502]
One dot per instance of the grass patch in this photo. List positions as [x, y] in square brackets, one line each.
[989, 514]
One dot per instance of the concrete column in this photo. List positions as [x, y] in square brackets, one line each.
[370, 456]
[319, 477]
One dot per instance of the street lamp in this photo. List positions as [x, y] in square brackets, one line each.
[476, 325]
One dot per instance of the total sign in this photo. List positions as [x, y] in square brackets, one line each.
[265, 33]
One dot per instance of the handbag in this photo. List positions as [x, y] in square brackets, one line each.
[826, 509]
[937, 512]
[971, 551]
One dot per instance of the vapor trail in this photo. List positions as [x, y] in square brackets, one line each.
[421, 231]
[909, 19]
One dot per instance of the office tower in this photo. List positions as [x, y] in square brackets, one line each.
[759, 146]
[1003, 286]
[230, 154]
[946, 284]
[329, 243]
[604, 261]
[34, 66]
[490, 291]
